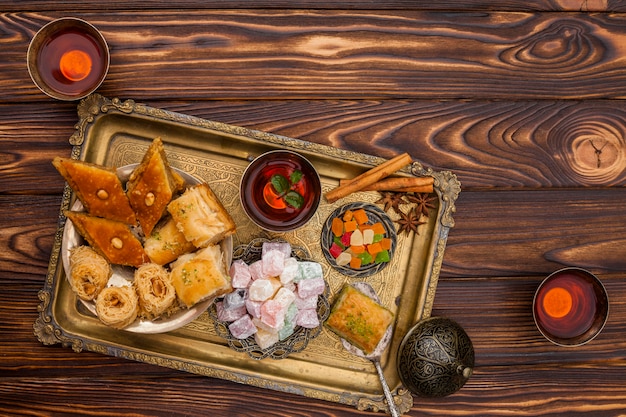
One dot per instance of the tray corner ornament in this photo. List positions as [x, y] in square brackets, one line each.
[190, 143]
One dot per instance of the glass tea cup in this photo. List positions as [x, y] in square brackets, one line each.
[570, 307]
[68, 59]
[280, 190]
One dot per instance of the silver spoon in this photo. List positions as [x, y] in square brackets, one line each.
[375, 356]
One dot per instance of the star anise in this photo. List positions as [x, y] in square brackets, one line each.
[391, 200]
[409, 222]
[423, 202]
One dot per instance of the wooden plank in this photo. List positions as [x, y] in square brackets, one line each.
[456, 5]
[515, 368]
[318, 54]
[488, 145]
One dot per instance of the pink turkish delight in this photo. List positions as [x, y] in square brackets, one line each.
[273, 263]
[273, 314]
[229, 315]
[310, 287]
[240, 274]
[282, 247]
[243, 327]
[256, 270]
[254, 307]
[307, 319]
[306, 303]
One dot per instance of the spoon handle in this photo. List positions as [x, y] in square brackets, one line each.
[390, 401]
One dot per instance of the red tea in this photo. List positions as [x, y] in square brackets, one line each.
[566, 305]
[267, 204]
[71, 62]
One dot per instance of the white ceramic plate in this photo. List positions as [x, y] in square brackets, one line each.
[123, 275]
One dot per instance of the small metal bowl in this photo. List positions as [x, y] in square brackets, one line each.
[578, 310]
[436, 358]
[375, 215]
[66, 44]
[259, 200]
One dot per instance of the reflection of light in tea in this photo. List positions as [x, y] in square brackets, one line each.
[75, 65]
[566, 305]
[71, 62]
[272, 198]
[557, 302]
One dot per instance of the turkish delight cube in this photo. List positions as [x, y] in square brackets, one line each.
[240, 274]
[228, 315]
[286, 330]
[265, 339]
[256, 270]
[235, 299]
[309, 270]
[290, 271]
[311, 287]
[273, 314]
[306, 303]
[307, 319]
[243, 327]
[282, 247]
[284, 297]
[273, 263]
[254, 307]
[262, 289]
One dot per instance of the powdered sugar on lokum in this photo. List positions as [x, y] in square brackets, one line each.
[272, 296]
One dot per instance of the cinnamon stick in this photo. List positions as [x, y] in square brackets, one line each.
[400, 184]
[369, 177]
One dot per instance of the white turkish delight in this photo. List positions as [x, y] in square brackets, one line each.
[282, 247]
[256, 270]
[273, 314]
[309, 270]
[235, 299]
[229, 315]
[273, 263]
[290, 271]
[240, 274]
[254, 307]
[311, 287]
[265, 339]
[308, 319]
[262, 289]
[243, 327]
[284, 297]
[306, 303]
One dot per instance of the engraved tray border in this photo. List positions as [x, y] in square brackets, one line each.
[61, 320]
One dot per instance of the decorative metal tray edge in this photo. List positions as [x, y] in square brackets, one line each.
[49, 332]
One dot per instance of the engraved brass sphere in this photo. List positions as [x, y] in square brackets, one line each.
[435, 358]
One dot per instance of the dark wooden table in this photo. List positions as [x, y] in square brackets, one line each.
[523, 100]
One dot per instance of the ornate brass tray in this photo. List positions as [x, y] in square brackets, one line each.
[117, 133]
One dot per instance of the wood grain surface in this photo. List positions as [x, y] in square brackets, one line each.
[522, 100]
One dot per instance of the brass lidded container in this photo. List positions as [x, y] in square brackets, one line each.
[436, 358]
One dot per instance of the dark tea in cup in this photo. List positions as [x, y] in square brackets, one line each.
[68, 59]
[570, 307]
[280, 190]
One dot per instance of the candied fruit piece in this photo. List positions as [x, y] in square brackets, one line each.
[335, 250]
[337, 226]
